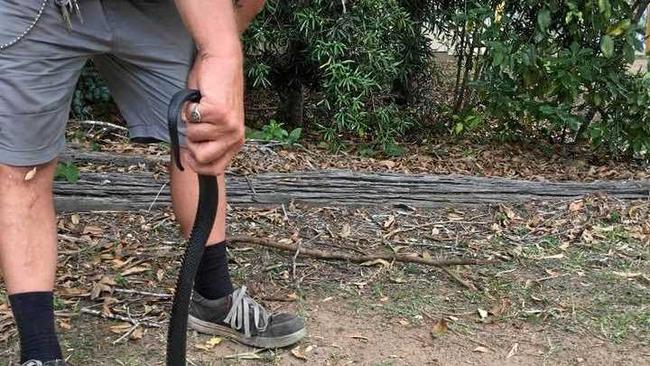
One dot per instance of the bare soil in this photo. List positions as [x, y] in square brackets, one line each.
[569, 286]
[569, 283]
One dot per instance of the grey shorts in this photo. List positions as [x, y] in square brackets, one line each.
[140, 47]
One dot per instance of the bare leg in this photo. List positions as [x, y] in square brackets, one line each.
[28, 235]
[185, 193]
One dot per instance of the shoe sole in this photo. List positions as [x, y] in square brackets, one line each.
[257, 342]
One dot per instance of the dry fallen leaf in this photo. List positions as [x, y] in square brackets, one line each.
[439, 328]
[93, 230]
[31, 174]
[134, 270]
[376, 262]
[210, 344]
[576, 206]
[137, 334]
[202, 347]
[481, 349]
[345, 231]
[298, 354]
[65, 324]
[160, 274]
[388, 163]
[389, 222]
[121, 328]
[214, 341]
[500, 308]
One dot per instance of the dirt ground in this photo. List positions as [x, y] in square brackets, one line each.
[567, 283]
[568, 286]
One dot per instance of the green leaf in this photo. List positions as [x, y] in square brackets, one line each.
[67, 171]
[544, 19]
[607, 46]
[605, 7]
[619, 28]
[294, 136]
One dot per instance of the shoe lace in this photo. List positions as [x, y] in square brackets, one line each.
[239, 314]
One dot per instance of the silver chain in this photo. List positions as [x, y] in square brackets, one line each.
[67, 8]
[31, 26]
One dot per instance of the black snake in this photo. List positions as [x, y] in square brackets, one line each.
[205, 216]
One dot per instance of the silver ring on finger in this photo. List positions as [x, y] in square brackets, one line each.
[195, 113]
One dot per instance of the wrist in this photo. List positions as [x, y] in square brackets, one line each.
[231, 49]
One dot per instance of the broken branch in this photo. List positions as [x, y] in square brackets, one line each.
[321, 254]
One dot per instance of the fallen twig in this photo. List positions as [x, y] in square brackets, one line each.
[91, 244]
[119, 317]
[429, 224]
[144, 293]
[103, 124]
[459, 279]
[320, 254]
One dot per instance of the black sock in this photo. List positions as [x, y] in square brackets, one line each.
[213, 279]
[34, 316]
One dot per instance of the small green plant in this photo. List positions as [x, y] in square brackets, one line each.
[121, 280]
[67, 171]
[58, 303]
[274, 131]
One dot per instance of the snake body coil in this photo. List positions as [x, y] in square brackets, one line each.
[205, 216]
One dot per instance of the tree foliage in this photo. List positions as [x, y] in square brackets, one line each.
[555, 69]
[355, 58]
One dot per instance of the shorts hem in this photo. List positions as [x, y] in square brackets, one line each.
[19, 146]
[31, 158]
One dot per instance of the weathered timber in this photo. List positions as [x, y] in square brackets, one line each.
[123, 160]
[134, 191]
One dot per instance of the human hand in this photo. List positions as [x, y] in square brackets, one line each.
[217, 138]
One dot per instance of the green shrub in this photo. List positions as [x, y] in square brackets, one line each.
[354, 61]
[552, 69]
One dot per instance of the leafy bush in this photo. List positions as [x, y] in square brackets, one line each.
[554, 69]
[355, 60]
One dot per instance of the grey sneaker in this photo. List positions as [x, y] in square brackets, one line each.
[240, 318]
[48, 363]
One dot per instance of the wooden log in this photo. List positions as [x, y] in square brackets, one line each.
[135, 191]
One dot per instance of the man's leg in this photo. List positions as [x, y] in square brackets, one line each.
[37, 80]
[28, 256]
[213, 278]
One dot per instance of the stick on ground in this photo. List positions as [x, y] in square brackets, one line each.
[321, 254]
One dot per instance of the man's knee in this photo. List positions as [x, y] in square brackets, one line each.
[15, 178]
